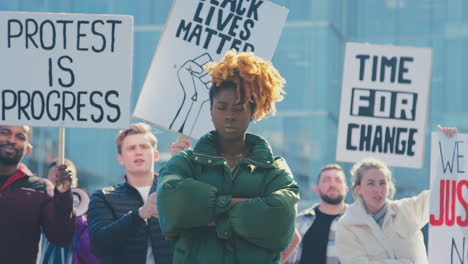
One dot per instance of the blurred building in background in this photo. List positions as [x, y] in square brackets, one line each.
[310, 57]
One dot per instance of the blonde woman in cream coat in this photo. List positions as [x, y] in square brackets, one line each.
[376, 229]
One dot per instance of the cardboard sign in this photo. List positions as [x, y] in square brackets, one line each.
[448, 229]
[384, 101]
[175, 94]
[65, 70]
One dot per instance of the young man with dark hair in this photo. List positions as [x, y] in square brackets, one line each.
[316, 225]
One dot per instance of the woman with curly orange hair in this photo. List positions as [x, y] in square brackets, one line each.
[229, 200]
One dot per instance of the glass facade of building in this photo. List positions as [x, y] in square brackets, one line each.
[310, 57]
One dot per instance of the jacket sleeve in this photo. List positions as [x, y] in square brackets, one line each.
[350, 250]
[184, 202]
[57, 218]
[108, 235]
[83, 246]
[418, 208]
[268, 221]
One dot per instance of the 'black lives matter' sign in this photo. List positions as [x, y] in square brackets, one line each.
[67, 70]
[198, 32]
[384, 104]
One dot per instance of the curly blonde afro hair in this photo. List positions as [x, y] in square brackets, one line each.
[256, 81]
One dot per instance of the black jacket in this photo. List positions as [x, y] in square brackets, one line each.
[117, 232]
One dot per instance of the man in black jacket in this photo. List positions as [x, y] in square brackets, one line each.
[123, 223]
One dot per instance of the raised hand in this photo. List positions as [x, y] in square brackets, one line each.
[149, 209]
[63, 178]
[181, 144]
[448, 131]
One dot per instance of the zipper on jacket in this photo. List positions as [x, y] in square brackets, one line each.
[236, 171]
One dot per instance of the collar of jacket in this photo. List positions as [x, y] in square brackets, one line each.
[357, 214]
[205, 151]
[153, 186]
[21, 172]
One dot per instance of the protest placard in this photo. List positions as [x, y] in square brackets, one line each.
[384, 102]
[175, 94]
[65, 70]
[448, 229]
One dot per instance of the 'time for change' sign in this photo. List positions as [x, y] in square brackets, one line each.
[384, 102]
[65, 70]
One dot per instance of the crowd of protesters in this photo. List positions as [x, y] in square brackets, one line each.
[227, 200]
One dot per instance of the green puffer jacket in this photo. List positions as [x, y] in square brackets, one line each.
[195, 189]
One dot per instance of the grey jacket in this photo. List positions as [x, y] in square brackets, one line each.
[303, 222]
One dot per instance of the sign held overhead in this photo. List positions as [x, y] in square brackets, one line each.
[65, 70]
[384, 101]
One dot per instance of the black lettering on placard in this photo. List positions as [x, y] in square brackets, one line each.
[10, 29]
[380, 65]
[362, 64]
[197, 16]
[61, 65]
[29, 34]
[223, 40]
[52, 32]
[402, 69]
[79, 106]
[91, 35]
[381, 139]
[221, 25]
[113, 25]
[5, 100]
[51, 73]
[57, 106]
[183, 27]
[24, 100]
[80, 34]
[374, 68]
[98, 106]
[68, 103]
[386, 62]
[235, 44]
[383, 104]
[234, 26]
[210, 32]
[245, 34]
[112, 105]
[249, 47]
[457, 157]
[459, 251]
[223, 21]
[103, 38]
[349, 146]
[197, 30]
[37, 115]
[61, 105]
[253, 9]
[64, 30]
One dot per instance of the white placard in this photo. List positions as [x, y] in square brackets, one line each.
[384, 102]
[448, 229]
[175, 94]
[65, 70]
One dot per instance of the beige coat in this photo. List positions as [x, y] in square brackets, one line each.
[360, 240]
